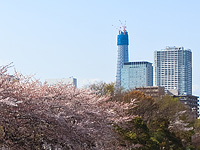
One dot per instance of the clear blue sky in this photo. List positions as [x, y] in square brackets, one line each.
[62, 38]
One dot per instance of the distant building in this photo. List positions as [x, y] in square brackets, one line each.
[199, 112]
[173, 70]
[191, 101]
[123, 56]
[136, 74]
[153, 91]
[72, 81]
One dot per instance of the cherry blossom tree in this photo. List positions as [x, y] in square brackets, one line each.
[39, 116]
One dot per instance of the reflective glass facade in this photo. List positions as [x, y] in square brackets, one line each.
[136, 74]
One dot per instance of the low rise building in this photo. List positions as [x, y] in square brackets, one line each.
[191, 101]
[72, 81]
[159, 92]
[153, 91]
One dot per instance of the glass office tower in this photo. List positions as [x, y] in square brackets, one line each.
[173, 70]
[123, 56]
[136, 74]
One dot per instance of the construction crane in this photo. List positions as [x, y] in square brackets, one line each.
[123, 26]
[118, 28]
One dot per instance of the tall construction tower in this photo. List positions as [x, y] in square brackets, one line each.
[123, 56]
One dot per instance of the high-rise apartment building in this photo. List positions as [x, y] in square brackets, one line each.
[173, 70]
[136, 74]
[123, 56]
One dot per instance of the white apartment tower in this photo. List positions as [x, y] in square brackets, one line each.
[173, 70]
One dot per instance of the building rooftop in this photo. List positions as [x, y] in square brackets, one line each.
[137, 62]
[168, 48]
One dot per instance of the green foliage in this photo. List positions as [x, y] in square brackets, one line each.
[169, 106]
[102, 88]
[128, 97]
[2, 132]
[130, 135]
[145, 105]
[137, 132]
[139, 124]
[154, 129]
[197, 125]
[196, 136]
[183, 117]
